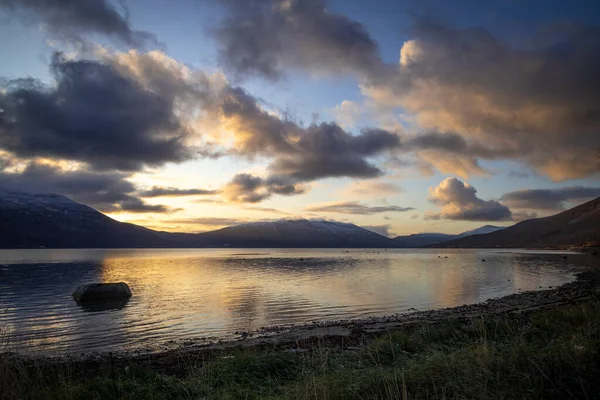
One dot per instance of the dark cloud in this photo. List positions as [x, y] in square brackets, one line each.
[158, 191]
[455, 143]
[269, 37]
[353, 207]
[549, 199]
[303, 153]
[136, 205]
[105, 191]
[73, 19]
[459, 201]
[326, 150]
[94, 114]
[246, 188]
[452, 153]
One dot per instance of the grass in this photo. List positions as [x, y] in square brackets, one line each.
[548, 354]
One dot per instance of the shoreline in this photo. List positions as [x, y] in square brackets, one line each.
[586, 286]
[541, 344]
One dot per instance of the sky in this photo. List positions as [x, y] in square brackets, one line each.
[399, 116]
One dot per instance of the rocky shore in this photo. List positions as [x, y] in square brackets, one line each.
[585, 287]
[518, 346]
[353, 332]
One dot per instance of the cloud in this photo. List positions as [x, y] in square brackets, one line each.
[460, 202]
[372, 188]
[136, 205]
[74, 19]
[303, 153]
[326, 150]
[209, 221]
[353, 207]
[383, 230]
[105, 191]
[158, 191]
[246, 188]
[549, 199]
[172, 113]
[537, 105]
[265, 209]
[94, 114]
[347, 113]
[229, 120]
[209, 201]
[269, 37]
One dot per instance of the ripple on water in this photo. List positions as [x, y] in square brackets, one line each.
[180, 295]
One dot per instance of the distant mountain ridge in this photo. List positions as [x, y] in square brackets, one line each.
[294, 233]
[54, 221]
[577, 227]
[428, 239]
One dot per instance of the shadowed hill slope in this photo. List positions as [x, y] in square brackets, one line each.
[577, 227]
[49, 220]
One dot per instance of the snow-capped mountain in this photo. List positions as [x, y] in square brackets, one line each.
[294, 233]
[50, 220]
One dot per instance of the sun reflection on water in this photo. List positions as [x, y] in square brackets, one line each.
[186, 294]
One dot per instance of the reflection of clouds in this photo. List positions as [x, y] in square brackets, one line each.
[180, 294]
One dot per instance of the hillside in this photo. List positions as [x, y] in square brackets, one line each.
[577, 227]
[49, 220]
[428, 239]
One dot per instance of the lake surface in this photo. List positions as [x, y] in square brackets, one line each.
[185, 295]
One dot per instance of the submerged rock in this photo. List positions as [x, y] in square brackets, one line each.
[102, 291]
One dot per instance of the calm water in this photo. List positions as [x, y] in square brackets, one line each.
[181, 295]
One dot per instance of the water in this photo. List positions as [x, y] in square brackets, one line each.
[183, 295]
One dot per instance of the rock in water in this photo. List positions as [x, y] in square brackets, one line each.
[102, 291]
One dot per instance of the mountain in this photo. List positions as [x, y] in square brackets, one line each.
[54, 221]
[577, 227]
[428, 239]
[481, 230]
[292, 233]
[49, 220]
